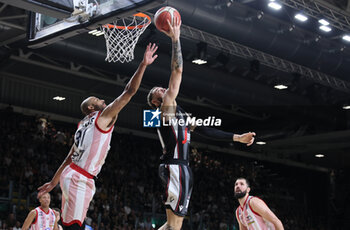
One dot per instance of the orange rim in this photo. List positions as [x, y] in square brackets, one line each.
[142, 15]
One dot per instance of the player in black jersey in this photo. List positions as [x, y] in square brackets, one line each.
[175, 138]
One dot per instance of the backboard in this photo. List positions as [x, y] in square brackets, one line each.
[54, 8]
[88, 15]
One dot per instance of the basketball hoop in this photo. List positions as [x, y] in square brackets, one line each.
[122, 36]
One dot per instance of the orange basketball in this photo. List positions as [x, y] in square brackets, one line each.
[164, 14]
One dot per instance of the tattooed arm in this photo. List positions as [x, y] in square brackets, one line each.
[166, 226]
[176, 64]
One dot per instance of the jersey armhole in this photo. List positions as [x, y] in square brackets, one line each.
[252, 208]
[98, 127]
[36, 217]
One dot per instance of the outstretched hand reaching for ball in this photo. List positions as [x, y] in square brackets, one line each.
[174, 29]
[149, 56]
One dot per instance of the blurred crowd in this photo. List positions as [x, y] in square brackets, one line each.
[128, 191]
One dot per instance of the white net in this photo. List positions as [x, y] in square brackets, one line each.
[122, 36]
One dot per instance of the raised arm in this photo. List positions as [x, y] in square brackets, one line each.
[110, 113]
[47, 187]
[176, 63]
[29, 220]
[245, 138]
[263, 210]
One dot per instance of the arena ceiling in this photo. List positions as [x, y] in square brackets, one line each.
[237, 83]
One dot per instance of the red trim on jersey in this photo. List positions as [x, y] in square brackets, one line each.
[252, 208]
[48, 211]
[98, 127]
[36, 217]
[185, 139]
[244, 203]
[78, 124]
[81, 171]
[72, 222]
[237, 216]
[178, 202]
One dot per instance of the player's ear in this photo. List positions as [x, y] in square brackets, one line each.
[155, 102]
[248, 189]
[91, 107]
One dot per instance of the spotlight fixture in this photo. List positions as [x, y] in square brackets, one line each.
[199, 61]
[319, 155]
[346, 107]
[201, 54]
[346, 38]
[323, 22]
[261, 143]
[274, 5]
[59, 98]
[301, 17]
[96, 32]
[326, 28]
[93, 31]
[280, 87]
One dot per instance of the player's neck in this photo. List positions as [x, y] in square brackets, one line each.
[242, 200]
[45, 209]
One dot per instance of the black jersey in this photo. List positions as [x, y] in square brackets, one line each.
[176, 137]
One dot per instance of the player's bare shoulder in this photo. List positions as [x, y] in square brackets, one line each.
[168, 110]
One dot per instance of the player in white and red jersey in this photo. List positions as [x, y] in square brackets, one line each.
[42, 217]
[253, 213]
[90, 148]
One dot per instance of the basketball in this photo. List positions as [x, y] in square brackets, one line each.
[164, 14]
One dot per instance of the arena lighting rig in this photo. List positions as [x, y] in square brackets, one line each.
[331, 20]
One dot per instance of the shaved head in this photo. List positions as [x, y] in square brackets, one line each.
[85, 105]
[92, 104]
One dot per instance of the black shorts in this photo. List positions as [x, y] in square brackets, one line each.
[178, 182]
